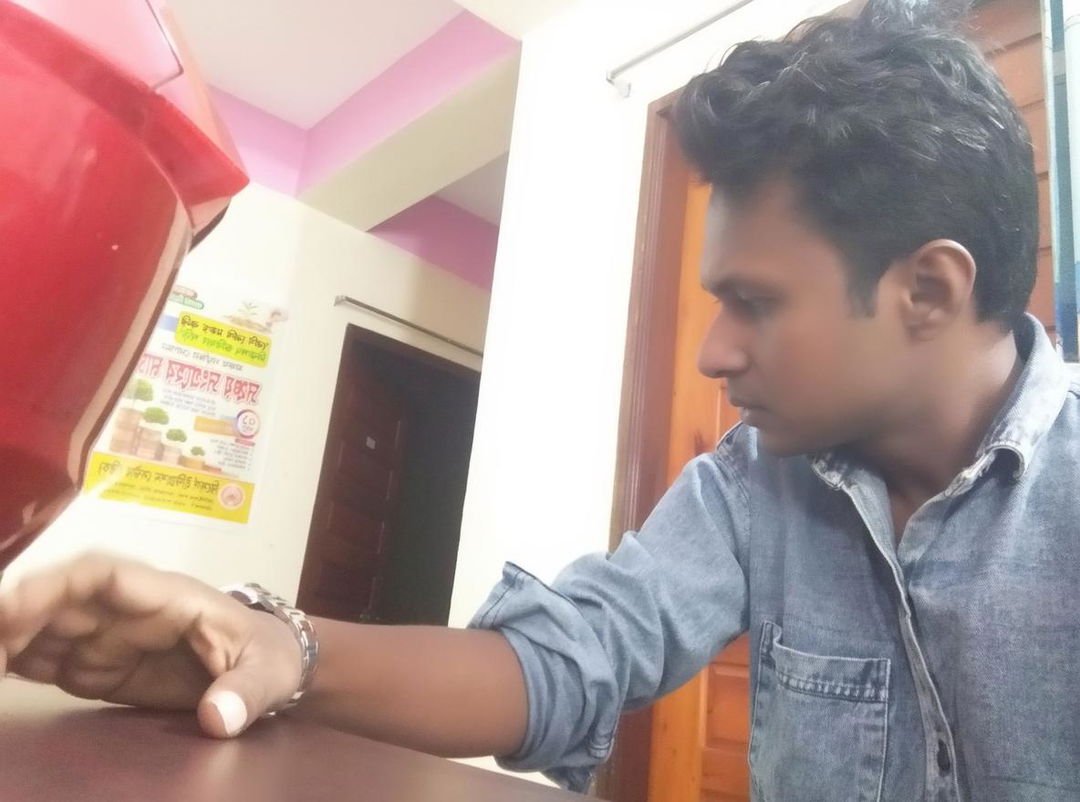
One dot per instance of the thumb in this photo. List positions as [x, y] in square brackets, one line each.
[262, 680]
[232, 702]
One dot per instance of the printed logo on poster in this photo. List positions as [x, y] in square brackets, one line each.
[247, 423]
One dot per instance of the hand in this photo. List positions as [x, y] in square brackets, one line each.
[101, 627]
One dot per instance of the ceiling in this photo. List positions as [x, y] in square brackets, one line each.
[516, 17]
[481, 192]
[300, 61]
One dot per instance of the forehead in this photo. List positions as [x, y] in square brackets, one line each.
[765, 239]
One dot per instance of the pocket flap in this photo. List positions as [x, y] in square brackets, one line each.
[858, 679]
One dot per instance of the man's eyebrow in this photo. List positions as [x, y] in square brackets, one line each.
[733, 284]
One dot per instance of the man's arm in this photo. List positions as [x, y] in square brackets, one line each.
[112, 629]
[445, 691]
[611, 631]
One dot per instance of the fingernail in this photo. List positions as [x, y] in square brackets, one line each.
[232, 710]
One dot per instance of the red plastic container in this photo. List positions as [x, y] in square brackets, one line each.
[106, 176]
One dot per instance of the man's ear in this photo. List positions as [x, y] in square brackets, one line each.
[936, 286]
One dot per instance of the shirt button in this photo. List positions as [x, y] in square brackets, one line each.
[943, 761]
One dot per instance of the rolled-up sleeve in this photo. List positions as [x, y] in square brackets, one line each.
[616, 631]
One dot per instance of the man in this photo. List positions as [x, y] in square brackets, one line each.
[893, 523]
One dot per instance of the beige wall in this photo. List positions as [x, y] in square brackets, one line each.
[281, 251]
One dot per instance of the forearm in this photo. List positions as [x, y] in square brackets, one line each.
[445, 691]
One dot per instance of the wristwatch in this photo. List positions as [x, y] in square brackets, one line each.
[256, 597]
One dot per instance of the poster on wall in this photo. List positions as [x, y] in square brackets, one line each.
[185, 435]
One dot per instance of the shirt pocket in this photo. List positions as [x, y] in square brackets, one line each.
[820, 724]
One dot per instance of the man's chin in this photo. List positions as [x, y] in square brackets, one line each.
[778, 445]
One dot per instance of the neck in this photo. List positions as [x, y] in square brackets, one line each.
[921, 453]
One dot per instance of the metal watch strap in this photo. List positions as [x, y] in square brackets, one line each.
[256, 597]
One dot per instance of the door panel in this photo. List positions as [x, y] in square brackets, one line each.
[344, 523]
[346, 554]
[700, 737]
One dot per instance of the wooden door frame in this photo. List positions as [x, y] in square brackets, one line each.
[648, 374]
[355, 333]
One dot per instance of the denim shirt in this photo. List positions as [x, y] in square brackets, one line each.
[944, 666]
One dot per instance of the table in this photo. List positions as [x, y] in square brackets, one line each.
[54, 748]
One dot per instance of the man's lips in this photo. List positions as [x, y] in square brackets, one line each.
[750, 413]
[742, 404]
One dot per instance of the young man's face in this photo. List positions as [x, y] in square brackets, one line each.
[805, 364]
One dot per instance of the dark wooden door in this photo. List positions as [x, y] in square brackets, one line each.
[345, 562]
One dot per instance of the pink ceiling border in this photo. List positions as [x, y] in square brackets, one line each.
[290, 159]
[272, 149]
[443, 234]
[452, 58]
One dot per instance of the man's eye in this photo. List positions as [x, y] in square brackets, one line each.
[746, 305]
[754, 305]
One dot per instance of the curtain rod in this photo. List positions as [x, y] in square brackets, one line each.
[340, 300]
[624, 86]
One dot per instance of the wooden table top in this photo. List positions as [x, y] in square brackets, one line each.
[54, 748]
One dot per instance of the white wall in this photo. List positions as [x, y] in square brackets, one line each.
[540, 487]
[542, 475]
[282, 252]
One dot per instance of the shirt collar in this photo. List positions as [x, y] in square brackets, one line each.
[1035, 401]
[1026, 416]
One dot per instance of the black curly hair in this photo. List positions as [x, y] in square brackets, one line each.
[894, 131]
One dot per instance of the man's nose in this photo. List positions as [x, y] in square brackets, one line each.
[722, 353]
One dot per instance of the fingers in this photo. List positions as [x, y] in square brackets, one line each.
[87, 650]
[105, 627]
[59, 595]
[43, 658]
[27, 609]
[82, 597]
[108, 628]
[70, 665]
